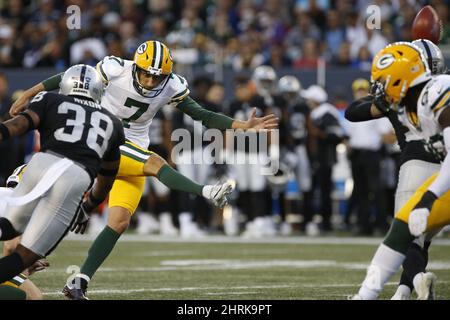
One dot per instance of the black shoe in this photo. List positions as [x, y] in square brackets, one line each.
[73, 293]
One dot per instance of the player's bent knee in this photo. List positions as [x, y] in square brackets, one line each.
[153, 165]
[119, 219]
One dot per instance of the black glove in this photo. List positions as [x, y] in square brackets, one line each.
[82, 218]
[379, 97]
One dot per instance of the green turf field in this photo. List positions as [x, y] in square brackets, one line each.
[291, 268]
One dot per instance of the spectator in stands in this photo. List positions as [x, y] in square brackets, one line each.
[310, 52]
[343, 58]
[303, 29]
[278, 57]
[363, 61]
[334, 34]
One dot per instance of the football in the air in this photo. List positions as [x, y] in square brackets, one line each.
[427, 25]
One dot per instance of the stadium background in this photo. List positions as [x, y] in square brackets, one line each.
[323, 41]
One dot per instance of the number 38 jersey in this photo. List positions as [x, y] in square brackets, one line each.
[433, 99]
[136, 111]
[78, 129]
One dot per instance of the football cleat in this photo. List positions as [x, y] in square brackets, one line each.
[219, 192]
[73, 293]
[424, 284]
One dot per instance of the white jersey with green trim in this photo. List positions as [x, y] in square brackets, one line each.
[433, 99]
[135, 110]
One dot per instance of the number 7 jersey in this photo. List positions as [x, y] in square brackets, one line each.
[134, 110]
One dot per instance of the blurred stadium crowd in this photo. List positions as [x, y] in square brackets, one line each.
[236, 34]
[333, 176]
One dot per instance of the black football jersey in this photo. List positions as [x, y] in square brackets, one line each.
[241, 111]
[298, 114]
[78, 129]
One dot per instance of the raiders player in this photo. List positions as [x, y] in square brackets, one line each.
[78, 139]
[298, 124]
[402, 70]
[135, 91]
[416, 164]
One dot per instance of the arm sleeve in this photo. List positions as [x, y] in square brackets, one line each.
[359, 110]
[208, 118]
[442, 182]
[53, 82]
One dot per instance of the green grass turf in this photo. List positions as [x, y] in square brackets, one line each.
[162, 270]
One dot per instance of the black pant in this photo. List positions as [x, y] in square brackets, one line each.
[325, 183]
[367, 187]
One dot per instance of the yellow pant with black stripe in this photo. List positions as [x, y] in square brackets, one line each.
[129, 185]
[440, 212]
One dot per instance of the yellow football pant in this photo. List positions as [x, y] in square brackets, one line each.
[129, 185]
[440, 212]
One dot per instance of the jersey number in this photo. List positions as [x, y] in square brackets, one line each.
[142, 108]
[99, 129]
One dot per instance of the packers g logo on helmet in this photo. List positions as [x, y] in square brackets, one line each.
[154, 57]
[385, 61]
[399, 66]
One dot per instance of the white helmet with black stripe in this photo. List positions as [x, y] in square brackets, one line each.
[265, 79]
[432, 54]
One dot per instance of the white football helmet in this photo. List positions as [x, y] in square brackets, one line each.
[82, 80]
[264, 78]
[432, 54]
[289, 84]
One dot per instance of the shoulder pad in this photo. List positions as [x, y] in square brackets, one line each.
[111, 67]
[436, 94]
[179, 86]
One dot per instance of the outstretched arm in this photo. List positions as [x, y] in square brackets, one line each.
[18, 125]
[362, 110]
[49, 84]
[219, 121]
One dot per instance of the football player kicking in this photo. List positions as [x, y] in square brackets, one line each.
[417, 165]
[403, 71]
[135, 91]
[80, 141]
[20, 287]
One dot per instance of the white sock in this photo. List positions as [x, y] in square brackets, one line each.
[384, 265]
[417, 278]
[206, 191]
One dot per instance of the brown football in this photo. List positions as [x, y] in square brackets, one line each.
[427, 25]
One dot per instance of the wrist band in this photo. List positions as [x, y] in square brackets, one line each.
[31, 125]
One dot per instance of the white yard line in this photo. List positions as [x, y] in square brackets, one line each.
[223, 289]
[275, 240]
[238, 264]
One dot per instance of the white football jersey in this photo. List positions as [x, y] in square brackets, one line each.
[433, 99]
[136, 111]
